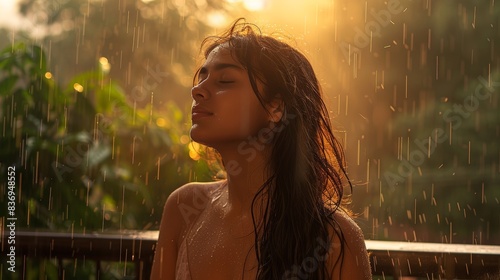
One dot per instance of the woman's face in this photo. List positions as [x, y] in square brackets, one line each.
[225, 108]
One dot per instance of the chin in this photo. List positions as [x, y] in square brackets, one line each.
[199, 136]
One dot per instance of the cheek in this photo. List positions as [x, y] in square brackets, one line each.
[247, 115]
[238, 115]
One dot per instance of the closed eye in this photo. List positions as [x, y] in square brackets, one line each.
[201, 79]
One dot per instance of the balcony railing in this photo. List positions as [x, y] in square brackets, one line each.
[389, 259]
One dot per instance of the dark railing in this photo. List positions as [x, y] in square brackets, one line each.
[434, 260]
[388, 258]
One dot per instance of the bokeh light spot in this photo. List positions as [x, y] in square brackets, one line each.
[78, 87]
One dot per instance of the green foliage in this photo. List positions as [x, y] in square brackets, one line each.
[137, 37]
[85, 158]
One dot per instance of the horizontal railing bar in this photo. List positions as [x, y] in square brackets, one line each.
[119, 246]
[151, 235]
[371, 245]
[376, 245]
[431, 260]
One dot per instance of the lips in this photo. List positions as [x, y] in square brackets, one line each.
[198, 112]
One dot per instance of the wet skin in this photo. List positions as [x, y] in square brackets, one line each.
[215, 218]
[219, 241]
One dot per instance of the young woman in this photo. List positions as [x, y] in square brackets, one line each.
[279, 214]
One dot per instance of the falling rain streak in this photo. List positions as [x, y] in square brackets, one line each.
[96, 114]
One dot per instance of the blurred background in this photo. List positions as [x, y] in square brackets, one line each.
[95, 108]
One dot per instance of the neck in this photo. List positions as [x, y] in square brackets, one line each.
[246, 172]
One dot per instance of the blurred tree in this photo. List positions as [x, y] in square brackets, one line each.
[85, 158]
[430, 72]
[109, 142]
[149, 43]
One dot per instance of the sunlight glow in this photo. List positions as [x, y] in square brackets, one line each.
[193, 151]
[254, 5]
[216, 19]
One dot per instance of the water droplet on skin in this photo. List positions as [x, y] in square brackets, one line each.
[216, 197]
[198, 229]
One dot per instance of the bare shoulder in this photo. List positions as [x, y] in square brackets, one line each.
[191, 200]
[193, 193]
[355, 262]
[352, 233]
[186, 203]
[182, 208]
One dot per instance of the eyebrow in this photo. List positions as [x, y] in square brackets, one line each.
[220, 66]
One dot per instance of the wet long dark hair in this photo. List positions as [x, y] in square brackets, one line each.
[306, 167]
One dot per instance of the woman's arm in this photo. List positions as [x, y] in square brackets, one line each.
[355, 262]
[182, 208]
[166, 249]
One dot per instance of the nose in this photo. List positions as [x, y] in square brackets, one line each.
[198, 92]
